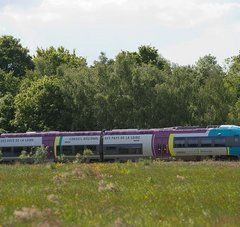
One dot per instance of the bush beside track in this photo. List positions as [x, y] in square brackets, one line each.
[144, 193]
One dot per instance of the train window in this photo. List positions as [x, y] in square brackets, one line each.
[219, 142]
[136, 151]
[179, 142]
[78, 149]
[111, 150]
[6, 151]
[67, 150]
[192, 142]
[233, 141]
[206, 142]
[17, 151]
[93, 148]
[125, 150]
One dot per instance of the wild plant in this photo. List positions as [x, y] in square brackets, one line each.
[40, 155]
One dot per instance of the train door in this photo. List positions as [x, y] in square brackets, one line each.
[161, 147]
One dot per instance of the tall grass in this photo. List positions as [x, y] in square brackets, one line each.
[159, 193]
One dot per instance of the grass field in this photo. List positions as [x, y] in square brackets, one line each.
[130, 194]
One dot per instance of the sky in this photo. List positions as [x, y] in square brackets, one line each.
[182, 30]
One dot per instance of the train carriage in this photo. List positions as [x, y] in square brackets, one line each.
[125, 144]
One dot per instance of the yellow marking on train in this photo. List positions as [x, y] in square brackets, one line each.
[55, 146]
[228, 150]
[170, 145]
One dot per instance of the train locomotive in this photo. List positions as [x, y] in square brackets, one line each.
[188, 143]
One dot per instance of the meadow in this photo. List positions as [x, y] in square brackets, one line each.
[146, 193]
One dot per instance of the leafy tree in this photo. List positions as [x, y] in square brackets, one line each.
[176, 97]
[40, 106]
[149, 55]
[234, 65]
[130, 97]
[234, 114]
[147, 112]
[206, 67]
[48, 60]
[8, 83]
[232, 78]
[14, 57]
[6, 112]
[213, 105]
[116, 99]
[232, 83]
[9, 86]
[78, 87]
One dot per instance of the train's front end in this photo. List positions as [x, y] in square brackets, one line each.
[218, 142]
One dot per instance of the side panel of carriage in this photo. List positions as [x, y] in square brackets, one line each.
[127, 146]
[69, 146]
[114, 146]
[12, 147]
[214, 142]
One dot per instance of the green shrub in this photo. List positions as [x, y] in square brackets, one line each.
[40, 155]
[23, 156]
[86, 154]
[78, 158]
[65, 159]
[83, 158]
[1, 156]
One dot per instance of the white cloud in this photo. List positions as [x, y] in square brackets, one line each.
[222, 42]
[111, 25]
[173, 13]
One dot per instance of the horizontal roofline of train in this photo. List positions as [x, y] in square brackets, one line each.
[56, 133]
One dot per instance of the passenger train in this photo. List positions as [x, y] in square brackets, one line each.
[129, 144]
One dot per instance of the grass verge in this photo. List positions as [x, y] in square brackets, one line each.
[129, 194]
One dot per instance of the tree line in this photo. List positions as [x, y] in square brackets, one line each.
[57, 90]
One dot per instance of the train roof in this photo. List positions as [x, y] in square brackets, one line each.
[52, 133]
[122, 131]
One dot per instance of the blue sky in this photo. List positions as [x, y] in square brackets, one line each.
[182, 30]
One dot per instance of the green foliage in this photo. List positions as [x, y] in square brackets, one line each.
[134, 90]
[78, 158]
[14, 57]
[1, 155]
[150, 55]
[234, 65]
[40, 155]
[8, 83]
[7, 112]
[24, 156]
[49, 60]
[78, 89]
[39, 107]
[87, 153]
